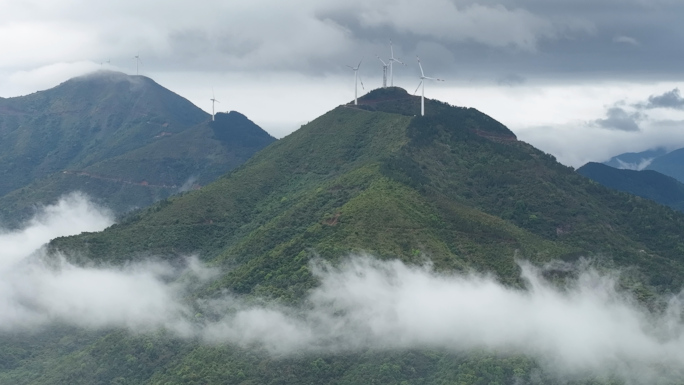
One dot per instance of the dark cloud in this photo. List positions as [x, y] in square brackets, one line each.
[561, 39]
[619, 119]
[511, 80]
[671, 99]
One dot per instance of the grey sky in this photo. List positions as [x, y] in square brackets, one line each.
[282, 63]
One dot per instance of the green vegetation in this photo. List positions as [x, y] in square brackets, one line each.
[455, 186]
[124, 140]
[647, 184]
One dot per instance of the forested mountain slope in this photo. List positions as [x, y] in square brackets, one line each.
[647, 184]
[454, 187]
[124, 140]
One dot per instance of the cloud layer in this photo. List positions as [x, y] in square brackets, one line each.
[586, 327]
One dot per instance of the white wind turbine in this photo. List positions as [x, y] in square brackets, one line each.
[384, 72]
[423, 78]
[356, 80]
[392, 59]
[137, 62]
[213, 101]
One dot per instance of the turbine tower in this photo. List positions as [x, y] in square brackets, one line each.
[357, 78]
[392, 59]
[137, 62]
[384, 72]
[423, 78]
[213, 101]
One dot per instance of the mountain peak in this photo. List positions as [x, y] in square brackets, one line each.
[234, 127]
[107, 75]
[106, 80]
[383, 93]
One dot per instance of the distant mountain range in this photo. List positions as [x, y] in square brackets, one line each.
[653, 174]
[646, 183]
[124, 140]
[668, 163]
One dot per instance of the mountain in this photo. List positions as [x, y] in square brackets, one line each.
[668, 163]
[124, 140]
[635, 160]
[455, 187]
[647, 184]
[671, 164]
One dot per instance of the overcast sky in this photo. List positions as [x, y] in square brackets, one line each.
[581, 79]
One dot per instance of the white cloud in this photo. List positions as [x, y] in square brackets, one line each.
[71, 215]
[585, 327]
[626, 40]
[560, 118]
[635, 166]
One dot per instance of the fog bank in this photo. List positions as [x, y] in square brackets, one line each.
[586, 327]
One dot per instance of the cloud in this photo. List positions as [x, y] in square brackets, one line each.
[619, 119]
[671, 99]
[36, 291]
[626, 40]
[71, 215]
[635, 166]
[511, 80]
[584, 327]
[492, 25]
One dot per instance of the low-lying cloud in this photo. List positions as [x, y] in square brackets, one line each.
[619, 119]
[584, 327]
[671, 99]
[71, 215]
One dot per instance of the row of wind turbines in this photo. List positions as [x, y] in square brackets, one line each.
[389, 64]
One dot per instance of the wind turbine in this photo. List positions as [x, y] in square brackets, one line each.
[423, 78]
[356, 80]
[213, 100]
[392, 59]
[137, 62]
[384, 72]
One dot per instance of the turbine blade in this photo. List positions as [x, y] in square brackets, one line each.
[361, 81]
[391, 50]
[421, 67]
[350, 67]
[357, 67]
[435, 79]
[417, 88]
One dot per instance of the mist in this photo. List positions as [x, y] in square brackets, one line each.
[585, 327]
[72, 214]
